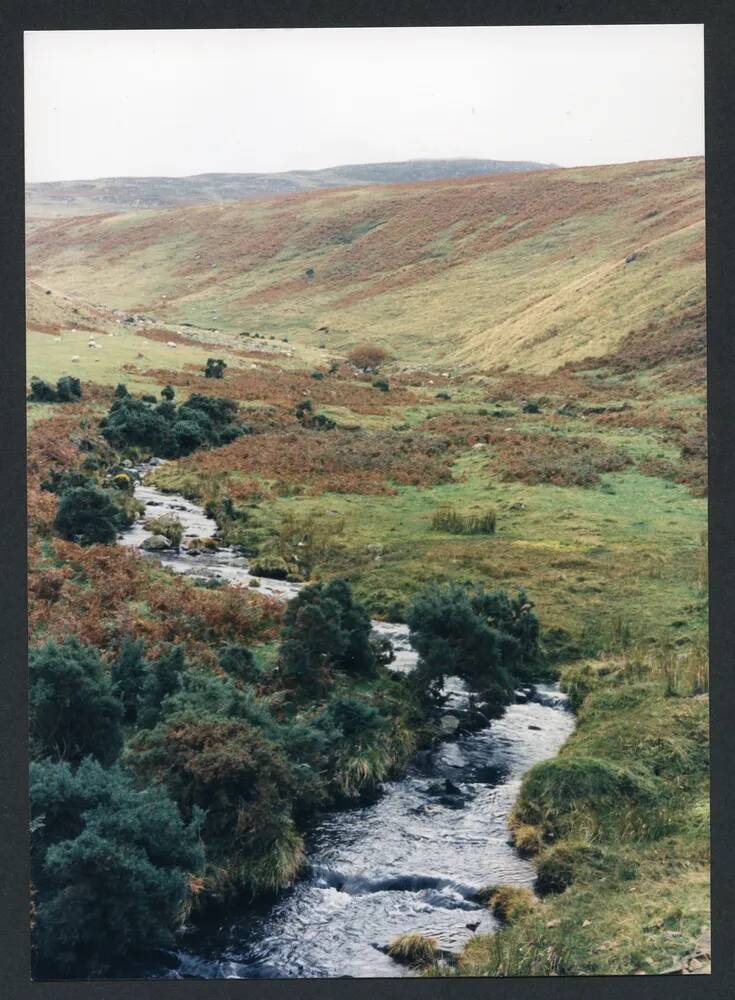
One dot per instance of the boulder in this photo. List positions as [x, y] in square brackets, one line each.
[156, 543]
[448, 724]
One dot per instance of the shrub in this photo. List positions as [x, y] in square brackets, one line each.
[318, 376]
[163, 678]
[128, 674]
[325, 630]
[168, 393]
[121, 391]
[68, 390]
[228, 768]
[111, 866]
[73, 710]
[447, 519]
[238, 661]
[171, 431]
[367, 357]
[88, 515]
[443, 395]
[486, 637]
[215, 368]
[380, 383]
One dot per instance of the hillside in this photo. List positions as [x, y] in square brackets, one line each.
[521, 269]
[83, 197]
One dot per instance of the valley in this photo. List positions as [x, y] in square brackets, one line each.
[534, 421]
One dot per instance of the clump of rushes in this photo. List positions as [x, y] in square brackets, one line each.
[168, 526]
[414, 949]
[446, 518]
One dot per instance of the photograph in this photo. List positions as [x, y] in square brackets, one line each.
[367, 502]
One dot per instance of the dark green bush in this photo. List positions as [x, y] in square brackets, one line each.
[88, 515]
[215, 368]
[128, 674]
[163, 678]
[110, 867]
[238, 661]
[121, 391]
[443, 395]
[168, 393]
[485, 637]
[325, 630]
[73, 709]
[171, 431]
[380, 383]
[68, 390]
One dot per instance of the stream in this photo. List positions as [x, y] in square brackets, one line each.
[409, 861]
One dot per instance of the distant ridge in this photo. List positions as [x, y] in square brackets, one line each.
[131, 193]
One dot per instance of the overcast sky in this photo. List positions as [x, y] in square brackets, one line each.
[137, 103]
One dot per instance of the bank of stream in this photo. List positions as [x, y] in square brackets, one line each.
[412, 860]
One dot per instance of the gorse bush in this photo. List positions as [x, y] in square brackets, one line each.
[111, 866]
[324, 630]
[68, 390]
[446, 518]
[88, 514]
[168, 430]
[73, 708]
[215, 368]
[487, 638]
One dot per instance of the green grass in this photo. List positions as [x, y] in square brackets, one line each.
[636, 875]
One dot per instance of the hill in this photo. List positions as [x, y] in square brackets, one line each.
[129, 193]
[527, 270]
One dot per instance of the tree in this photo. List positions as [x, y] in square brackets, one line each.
[73, 709]
[88, 514]
[367, 357]
[111, 866]
[168, 393]
[215, 368]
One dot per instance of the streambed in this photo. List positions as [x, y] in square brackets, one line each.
[409, 861]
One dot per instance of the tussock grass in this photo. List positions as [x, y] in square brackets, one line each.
[507, 902]
[414, 949]
[168, 526]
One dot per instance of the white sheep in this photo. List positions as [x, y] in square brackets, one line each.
[170, 343]
[75, 357]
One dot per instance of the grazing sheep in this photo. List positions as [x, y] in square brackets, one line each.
[170, 343]
[75, 357]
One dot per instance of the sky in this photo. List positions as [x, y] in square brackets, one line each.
[173, 103]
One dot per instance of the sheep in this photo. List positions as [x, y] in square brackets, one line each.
[170, 343]
[75, 357]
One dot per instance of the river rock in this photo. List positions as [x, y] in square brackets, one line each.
[448, 724]
[156, 543]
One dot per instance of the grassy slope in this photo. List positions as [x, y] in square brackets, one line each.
[639, 896]
[519, 269]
